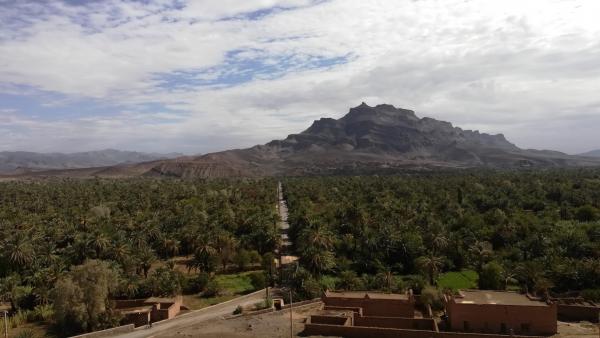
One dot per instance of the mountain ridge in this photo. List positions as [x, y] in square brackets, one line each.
[27, 161]
[366, 140]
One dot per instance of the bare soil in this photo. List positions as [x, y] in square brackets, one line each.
[274, 324]
[577, 330]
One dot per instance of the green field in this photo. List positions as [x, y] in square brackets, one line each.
[232, 285]
[464, 279]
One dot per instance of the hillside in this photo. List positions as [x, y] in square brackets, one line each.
[23, 162]
[369, 139]
[366, 140]
[593, 153]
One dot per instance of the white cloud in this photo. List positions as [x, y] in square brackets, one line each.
[500, 66]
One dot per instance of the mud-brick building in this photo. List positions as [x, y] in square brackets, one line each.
[500, 312]
[372, 303]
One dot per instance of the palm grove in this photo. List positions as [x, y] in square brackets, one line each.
[69, 246]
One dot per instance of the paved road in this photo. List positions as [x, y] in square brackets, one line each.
[202, 315]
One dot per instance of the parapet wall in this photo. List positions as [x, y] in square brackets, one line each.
[579, 312]
[396, 323]
[378, 332]
[108, 332]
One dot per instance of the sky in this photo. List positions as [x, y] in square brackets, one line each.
[202, 76]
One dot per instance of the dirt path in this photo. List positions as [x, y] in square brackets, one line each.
[284, 226]
[271, 325]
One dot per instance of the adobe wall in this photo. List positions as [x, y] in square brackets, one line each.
[137, 319]
[128, 303]
[396, 323]
[579, 312]
[376, 332]
[488, 318]
[375, 307]
[331, 320]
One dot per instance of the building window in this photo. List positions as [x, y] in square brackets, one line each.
[466, 326]
[525, 327]
[503, 327]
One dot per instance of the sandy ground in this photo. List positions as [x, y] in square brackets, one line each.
[275, 324]
[577, 330]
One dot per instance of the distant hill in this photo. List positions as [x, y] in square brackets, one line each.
[593, 153]
[366, 140]
[24, 162]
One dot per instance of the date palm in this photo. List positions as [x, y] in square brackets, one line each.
[430, 265]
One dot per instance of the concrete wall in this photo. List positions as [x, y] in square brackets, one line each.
[488, 318]
[375, 307]
[108, 332]
[375, 332]
[579, 312]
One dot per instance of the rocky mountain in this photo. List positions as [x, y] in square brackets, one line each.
[24, 162]
[593, 153]
[366, 140]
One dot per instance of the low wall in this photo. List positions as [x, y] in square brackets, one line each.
[357, 310]
[579, 312]
[108, 332]
[396, 323]
[377, 332]
[331, 320]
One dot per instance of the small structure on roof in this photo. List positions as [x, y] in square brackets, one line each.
[372, 303]
[500, 312]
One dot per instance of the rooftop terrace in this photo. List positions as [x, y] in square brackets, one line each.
[496, 297]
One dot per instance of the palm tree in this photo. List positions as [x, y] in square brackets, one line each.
[99, 242]
[315, 244]
[431, 265]
[480, 251]
[18, 249]
[145, 258]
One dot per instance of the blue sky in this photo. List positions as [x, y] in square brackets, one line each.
[202, 76]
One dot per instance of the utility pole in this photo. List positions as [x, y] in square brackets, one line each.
[5, 324]
[291, 321]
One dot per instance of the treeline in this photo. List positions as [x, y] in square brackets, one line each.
[69, 246]
[539, 231]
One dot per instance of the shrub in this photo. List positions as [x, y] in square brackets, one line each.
[591, 294]
[238, 310]
[196, 284]
[490, 277]
[42, 312]
[213, 289]
[26, 333]
[258, 280]
[432, 297]
[265, 304]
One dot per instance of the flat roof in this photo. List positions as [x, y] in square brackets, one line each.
[496, 297]
[363, 294]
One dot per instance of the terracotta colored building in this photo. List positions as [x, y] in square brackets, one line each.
[373, 303]
[143, 311]
[500, 312]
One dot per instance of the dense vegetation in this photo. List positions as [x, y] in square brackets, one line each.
[58, 236]
[539, 231]
[67, 247]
